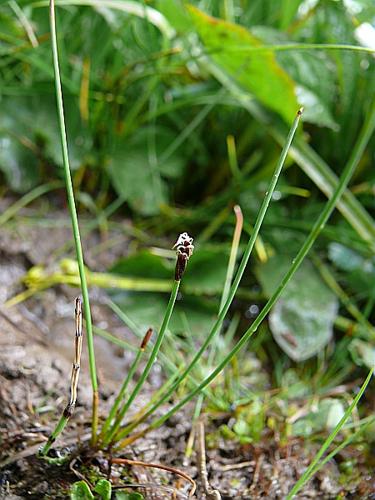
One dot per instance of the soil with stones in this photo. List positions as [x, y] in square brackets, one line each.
[36, 348]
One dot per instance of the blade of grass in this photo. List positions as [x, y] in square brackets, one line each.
[363, 139]
[262, 212]
[342, 445]
[232, 158]
[168, 313]
[113, 339]
[233, 255]
[127, 380]
[228, 282]
[25, 22]
[74, 219]
[215, 224]
[28, 198]
[326, 180]
[346, 301]
[174, 367]
[310, 471]
[180, 139]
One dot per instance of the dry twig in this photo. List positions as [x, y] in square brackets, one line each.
[126, 461]
[210, 493]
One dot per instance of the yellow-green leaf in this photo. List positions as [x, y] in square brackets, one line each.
[255, 70]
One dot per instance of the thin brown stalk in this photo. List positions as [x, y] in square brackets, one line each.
[210, 493]
[76, 366]
[126, 461]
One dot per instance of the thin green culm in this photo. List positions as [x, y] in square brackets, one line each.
[74, 220]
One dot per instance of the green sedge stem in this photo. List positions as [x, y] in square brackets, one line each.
[241, 269]
[310, 471]
[153, 355]
[129, 377]
[74, 220]
[171, 365]
[232, 158]
[159, 392]
[55, 434]
[121, 394]
[364, 137]
[130, 324]
[341, 446]
[228, 281]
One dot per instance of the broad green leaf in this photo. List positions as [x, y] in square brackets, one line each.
[80, 491]
[316, 111]
[206, 271]
[18, 161]
[205, 274]
[43, 123]
[175, 12]
[137, 174]
[147, 310]
[136, 182]
[302, 320]
[172, 166]
[29, 130]
[308, 160]
[257, 72]
[314, 73]
[104, 488]
[143, 265]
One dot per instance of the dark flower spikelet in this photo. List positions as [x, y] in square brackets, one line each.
[184, 248]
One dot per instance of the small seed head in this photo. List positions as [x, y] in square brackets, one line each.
[146, 339]
[184, 248]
